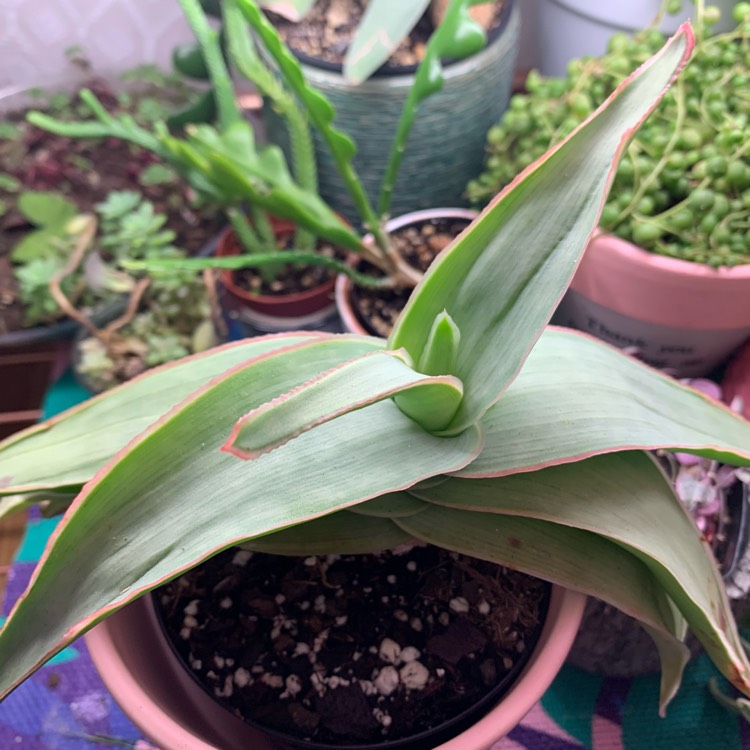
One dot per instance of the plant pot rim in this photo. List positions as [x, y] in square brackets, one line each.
[393, 71]
[659, 264]
[61, 329]
[662, 291]
[344, 284]
[196, 730]
[282, 305]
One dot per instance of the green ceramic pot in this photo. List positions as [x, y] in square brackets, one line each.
[446, 146]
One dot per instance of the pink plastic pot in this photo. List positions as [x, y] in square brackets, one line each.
[344, 286]
[682, 317]
[152, 688]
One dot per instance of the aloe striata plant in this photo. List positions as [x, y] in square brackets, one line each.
[473, 427]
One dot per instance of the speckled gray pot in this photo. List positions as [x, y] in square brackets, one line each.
[446, 146]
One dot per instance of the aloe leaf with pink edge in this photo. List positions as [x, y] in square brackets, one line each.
[161, 500]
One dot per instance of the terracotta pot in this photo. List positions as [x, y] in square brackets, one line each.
[267, 312]
[145, 678]
[685, 318]
[344, 285]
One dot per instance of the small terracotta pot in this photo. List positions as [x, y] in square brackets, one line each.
[267, 312]
[344, 285]
[683, 317]
[138, 666]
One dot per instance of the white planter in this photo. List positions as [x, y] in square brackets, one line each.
[570, 29]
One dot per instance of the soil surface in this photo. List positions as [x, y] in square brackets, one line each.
[289, 279]
[377, 310]
[354, 648]
[327, 30]
[86, 171]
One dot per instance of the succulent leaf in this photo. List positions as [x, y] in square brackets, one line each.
[521, 252]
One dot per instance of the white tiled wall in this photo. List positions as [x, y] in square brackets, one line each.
[114, 34]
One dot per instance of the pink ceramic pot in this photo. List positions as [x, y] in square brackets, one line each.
[145, 678]
[344, 286]
[682, 317]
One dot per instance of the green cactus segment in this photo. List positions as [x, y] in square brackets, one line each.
[622, 497]
[319, 110]
[249, 64]
[430, 401]
[457, 36]
[188, 60]
[210, 48]
[523, 249]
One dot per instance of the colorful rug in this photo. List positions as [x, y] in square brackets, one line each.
[65, 706]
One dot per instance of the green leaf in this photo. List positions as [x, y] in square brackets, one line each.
[625, 498]
[430, 401]
[576, 397]
[46, 209]
[382, 28]
[341, 533]
[70, 448]
[441, 350]
[392, 505]
[521, 252]
[572, 558]
[155, 512]
[36, 245]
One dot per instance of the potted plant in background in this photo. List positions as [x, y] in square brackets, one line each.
[469, 365]
[669, 276]
[363, 58]
[46, 181]
[228, 166]
[165, 317]
[570, 29]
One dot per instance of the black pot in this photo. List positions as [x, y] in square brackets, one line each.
[426, 740]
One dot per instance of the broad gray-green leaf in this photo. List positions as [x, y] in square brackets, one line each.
[576, 397]
[382, 28]
[172, 498]
[430, 401]
[520, 254]
[625, 498]
[70, 448]
[572, 558]
[392, 505]
[340, 533]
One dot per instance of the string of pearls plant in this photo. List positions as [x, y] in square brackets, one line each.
[683, 189]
